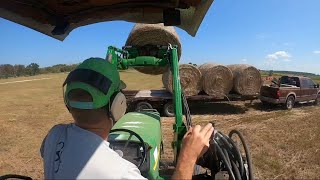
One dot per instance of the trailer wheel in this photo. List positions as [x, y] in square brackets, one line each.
[290, 102]
[142, 106]
[168, 109]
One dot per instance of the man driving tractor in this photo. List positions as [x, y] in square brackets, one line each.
[97, 145]
[81, 150]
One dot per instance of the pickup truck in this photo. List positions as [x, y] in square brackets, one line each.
[289, 90]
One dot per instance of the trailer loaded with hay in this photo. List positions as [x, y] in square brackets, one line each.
[161, 100]
[209, 82]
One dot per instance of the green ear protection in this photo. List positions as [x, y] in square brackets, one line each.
[102, 81]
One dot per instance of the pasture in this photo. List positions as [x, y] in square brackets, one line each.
[283, 144]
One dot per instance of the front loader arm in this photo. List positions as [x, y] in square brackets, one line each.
[167, 56]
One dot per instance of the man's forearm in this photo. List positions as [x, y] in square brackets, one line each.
[184, 168]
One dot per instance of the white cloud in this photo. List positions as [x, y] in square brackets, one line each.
[279, 55]
[316, 52]
[277, 59]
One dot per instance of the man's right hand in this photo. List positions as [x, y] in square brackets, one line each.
[196, 141]
[194, 144]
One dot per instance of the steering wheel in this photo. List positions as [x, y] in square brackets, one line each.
[132, 133]
[15, 176]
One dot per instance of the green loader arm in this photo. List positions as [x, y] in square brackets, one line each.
[129, 57]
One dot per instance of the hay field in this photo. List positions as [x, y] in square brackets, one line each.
[284, 144]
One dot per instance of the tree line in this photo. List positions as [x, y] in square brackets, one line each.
[17, 70]
[294, 73]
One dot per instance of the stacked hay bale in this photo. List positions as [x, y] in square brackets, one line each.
[143, 35]
[246, 79]
[217, 80]
[190, 78]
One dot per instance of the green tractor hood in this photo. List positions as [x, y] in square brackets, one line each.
[57, 18]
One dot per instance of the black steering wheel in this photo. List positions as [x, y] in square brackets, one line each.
[15, 176]
[132, 133]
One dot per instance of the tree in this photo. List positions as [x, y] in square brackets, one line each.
[270, 72]
[32, 69]
[59, 68]
[6, 70]
[19, 70]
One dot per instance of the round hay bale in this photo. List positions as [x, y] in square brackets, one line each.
[190, 78]
[217, 80]
[246, 79]
[144, 35]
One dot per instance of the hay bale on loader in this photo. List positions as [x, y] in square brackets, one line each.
[190, 77]
[217, 80]
[143, 35]
[246, 79]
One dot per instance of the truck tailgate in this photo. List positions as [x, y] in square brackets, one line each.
[271, 92]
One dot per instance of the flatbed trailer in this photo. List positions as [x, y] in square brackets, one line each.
[161, 100]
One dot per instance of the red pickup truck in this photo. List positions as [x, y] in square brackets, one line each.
[289, 90]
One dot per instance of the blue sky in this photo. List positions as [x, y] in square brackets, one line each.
[269, 34]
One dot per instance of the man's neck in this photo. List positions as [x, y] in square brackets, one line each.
[101, 130]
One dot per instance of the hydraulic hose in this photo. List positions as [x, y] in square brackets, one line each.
[186, 111]
[230, 156]
[225, 154]
[228, 153]
[246, 149]
[237, 154]
[224, 160]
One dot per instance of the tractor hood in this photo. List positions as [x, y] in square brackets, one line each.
[57, 18]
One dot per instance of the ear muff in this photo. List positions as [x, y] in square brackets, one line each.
[118, 106]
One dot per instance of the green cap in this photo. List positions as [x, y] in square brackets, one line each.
[96, 76]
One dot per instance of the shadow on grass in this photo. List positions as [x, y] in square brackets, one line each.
[264, 107]
[216, 108]
[274, 107]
